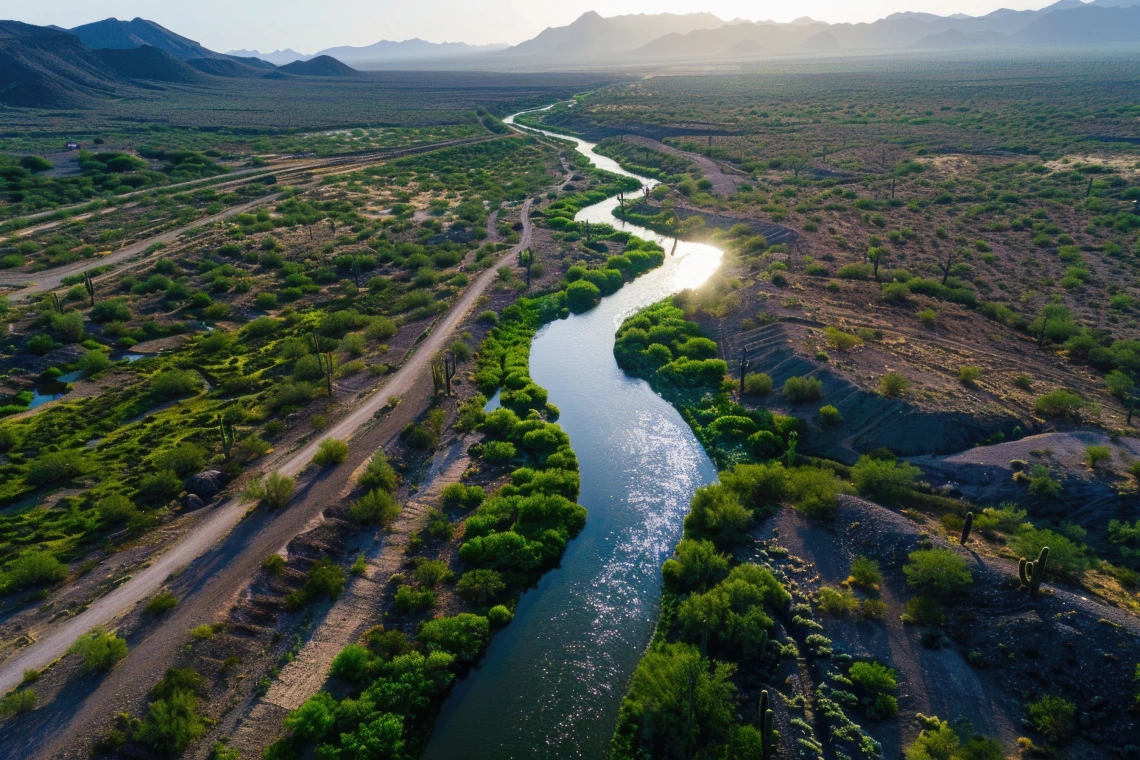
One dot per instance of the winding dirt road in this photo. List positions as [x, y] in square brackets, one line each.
[52, 645]
[33, 283]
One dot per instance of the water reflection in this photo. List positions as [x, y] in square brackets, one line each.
[551, 681]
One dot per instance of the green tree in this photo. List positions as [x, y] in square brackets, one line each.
[99, 650]
[937, 572]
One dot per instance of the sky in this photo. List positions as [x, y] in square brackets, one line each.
[307, 27]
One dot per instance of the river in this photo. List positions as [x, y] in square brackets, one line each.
[550, 683]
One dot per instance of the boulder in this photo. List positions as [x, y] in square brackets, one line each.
[206, 484]
[193, 502]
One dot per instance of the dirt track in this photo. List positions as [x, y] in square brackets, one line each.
[723, 184]
[228, 515]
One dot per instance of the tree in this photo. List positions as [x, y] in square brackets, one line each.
[1053, 717]
[171, 724]
[330, 453]
[99, 650]
[877, 256]
[582, 296]
[272, 493]
[882, 480]
[481, 586]
[937, 572]
[33, 568]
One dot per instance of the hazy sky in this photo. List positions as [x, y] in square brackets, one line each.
[307, 26]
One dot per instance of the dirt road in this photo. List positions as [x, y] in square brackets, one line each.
[55, 643]
[246, 175]
[40, 282]
[722, 183]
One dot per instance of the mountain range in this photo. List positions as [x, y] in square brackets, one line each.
[376, 55]
[54, 67]
[50, 67]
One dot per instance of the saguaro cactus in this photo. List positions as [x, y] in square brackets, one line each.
[227, 434]
[966, 528]
[1031, 573]
[766, 720]
[89, 286]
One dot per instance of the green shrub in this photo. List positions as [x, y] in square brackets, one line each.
[968, 374]
[922, 610]
[183, 459]
[499, 616]
[1097, 455]
[464, 635]
[937, 572]
[99, 650]
[716, 513]
[815, 492]
[377, 507]
[316, 718]
[893, 385]
[582, 296]
[324, 579]
[882, 480]
[1066, 556]
[164, 601]
[160, 486]
[757, 384]
[836, 601]
[695, 565]
[116, 509]
[410, 599]
[274, 564]
[33, 568]
[379, 474]
[1059, 403]
[202, 632]
[55, 466]
[1053, 717]
[17, 702]
[479, 587]
[939, 741]
[273, 492]
[175, 382]
[330, 453]
[865, 572]
[830, 416]
[172, 724]
[801, 390]
[842, 341]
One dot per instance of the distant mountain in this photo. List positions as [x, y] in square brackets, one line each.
[376, 55]
[321, 66]
[955, 38]
[592, 38]
[114, 34]
[1084, 26]
[46, 68]
[277, 57]
[149, 64]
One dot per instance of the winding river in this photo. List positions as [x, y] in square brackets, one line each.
[551, 682]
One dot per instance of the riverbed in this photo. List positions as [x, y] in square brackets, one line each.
[550, 683]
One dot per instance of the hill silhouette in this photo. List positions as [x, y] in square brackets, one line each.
[321, 66]
[46, 68]
[114, 34]
[221, 67]
[149, 64]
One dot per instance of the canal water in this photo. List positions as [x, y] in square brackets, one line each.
[551, 682]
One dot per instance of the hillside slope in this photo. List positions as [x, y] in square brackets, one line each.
[45, 68]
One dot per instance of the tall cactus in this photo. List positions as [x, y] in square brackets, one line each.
[766, 720]
[1031, 573]
[966, 529]
[89, 286]
[227, 434]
